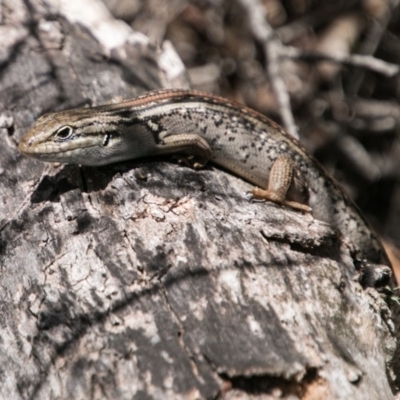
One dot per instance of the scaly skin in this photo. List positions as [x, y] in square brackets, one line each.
[181, 121]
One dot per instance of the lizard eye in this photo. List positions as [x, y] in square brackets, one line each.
[64, 133]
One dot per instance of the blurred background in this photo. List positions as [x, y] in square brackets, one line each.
[348, 116]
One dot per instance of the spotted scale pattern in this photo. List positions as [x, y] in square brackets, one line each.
[241, 140]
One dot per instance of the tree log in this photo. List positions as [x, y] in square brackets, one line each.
[147, 279]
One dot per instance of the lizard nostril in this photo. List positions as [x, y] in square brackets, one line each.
[25, 145]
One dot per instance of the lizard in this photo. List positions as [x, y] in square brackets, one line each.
[210, 128]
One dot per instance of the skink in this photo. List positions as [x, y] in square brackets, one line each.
[210, 128]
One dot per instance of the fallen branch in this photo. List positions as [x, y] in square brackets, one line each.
[263, 32]
[356, 60]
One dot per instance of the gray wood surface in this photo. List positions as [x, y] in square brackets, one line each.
[150, 280]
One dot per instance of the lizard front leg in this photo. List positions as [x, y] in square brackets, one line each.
[197, 150]
[281, 177]
[282, 174]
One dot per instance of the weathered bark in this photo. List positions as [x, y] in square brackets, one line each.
[151, 280]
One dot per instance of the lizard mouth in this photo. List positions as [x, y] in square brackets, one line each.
[30, 148]
[65, 153]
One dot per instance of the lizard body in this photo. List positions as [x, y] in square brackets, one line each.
[224, 132]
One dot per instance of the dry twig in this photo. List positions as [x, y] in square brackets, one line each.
[369, 46]
[357, 60]
[263, 32]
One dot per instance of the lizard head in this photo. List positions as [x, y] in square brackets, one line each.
[72, 136]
